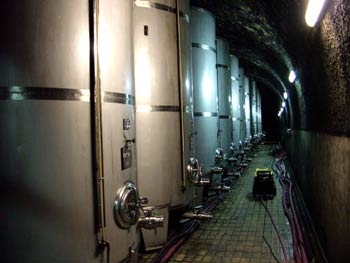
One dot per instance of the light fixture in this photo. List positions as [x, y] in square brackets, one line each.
[280, 112]
[283, 104]
[313, 11]
[285, 95]
[292, 76]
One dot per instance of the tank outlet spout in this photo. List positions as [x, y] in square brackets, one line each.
[202, 182]
[220, 188]
[151, 222]
[232, 160]
[244, 165]
[246, 149]
[198, 216]
[216, 170]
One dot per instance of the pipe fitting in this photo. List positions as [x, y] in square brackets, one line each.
[202, 182]
[198, 216]
[151, 222]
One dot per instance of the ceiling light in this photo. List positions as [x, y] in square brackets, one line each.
[292, 76]
[283, 104]
[285, 95]
[313, 11]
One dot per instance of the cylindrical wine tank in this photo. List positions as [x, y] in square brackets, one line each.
[253, 108]
[243, 130]
[236, 113]
[224, 90]
[48, 185]
[247, 107]
[205, 101]
[163, 85]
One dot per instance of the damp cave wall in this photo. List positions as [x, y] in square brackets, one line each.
[318, 144]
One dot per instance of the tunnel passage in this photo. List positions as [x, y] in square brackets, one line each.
[106, 106]
[271, 38]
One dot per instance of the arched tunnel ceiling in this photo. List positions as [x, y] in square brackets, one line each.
[263, 34]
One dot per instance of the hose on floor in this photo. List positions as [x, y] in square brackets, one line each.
[178, 238]
[277, 232]
[288, 202]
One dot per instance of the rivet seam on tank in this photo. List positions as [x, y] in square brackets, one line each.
[204, 46]
[162, 7]
[46, 93]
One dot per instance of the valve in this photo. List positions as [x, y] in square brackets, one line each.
[148, 219]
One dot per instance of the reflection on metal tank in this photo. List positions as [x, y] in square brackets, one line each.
[205, 102]
[258, 103]
[224, 90]
[236, 113]
[253, 108]
[162, 133]
[243, 130]
[48, 185]
[247, 108]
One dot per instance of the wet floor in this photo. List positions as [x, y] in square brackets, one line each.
[239, 226]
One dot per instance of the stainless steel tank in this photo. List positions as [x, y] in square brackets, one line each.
[205, 100]
[224, 90]
[164, 108]
[243, 129]
[236, 112]
[247, 107]
[48, 187]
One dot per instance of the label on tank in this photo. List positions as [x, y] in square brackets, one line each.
[126, 155]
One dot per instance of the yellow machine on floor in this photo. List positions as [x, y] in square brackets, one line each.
[264, 186]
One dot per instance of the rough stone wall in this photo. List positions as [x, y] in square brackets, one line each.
[322, 164]
[324, 71]
[335, 39]
[320, 149]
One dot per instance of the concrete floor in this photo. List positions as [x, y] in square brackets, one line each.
[236, 232]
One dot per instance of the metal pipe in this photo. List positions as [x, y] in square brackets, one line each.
[179, 67]
[97, 117]
[218, 134]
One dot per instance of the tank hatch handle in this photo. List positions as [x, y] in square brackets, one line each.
[126, 206]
